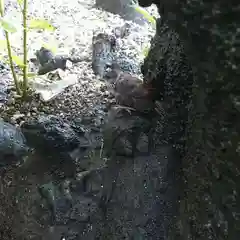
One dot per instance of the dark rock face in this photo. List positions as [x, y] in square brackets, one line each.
[51, 133]
[12, 144]
[208, 33]
[173, 79]
[60, 143]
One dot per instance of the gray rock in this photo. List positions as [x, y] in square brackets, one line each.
[51, 132]
[102, 53]
[55, 138]
[124, 130]
[12, 144]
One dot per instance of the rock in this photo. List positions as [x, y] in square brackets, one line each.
[123, 131]
[73, 204]
[12, 144]
[17, 116]
[44, 56]
[123, 31]
[49, 62]
[66, 147]
[102, 53]
[59, 203]
[53, 135]
[172, 82]
[146, 3]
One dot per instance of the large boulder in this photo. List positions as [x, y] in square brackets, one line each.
[167, 69]
[208, 33]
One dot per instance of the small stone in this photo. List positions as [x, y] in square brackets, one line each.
[103, 88]
[106, 94]
[21, 123]
[16, 116]
[11, 101]
[34, 109]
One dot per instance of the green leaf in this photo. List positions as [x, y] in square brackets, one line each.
[145, 14]
[17, 60]
[41, 24]
[145, 51]
[7, 25]
[20, 2]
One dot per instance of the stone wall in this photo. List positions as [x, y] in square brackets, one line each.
[209, 32]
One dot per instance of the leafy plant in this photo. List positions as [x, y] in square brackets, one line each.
[27, 25]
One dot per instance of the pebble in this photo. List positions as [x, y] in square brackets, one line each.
[34, 109]
[11, 101]
[16, 116]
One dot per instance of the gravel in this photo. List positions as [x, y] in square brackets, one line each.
[76, 21]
